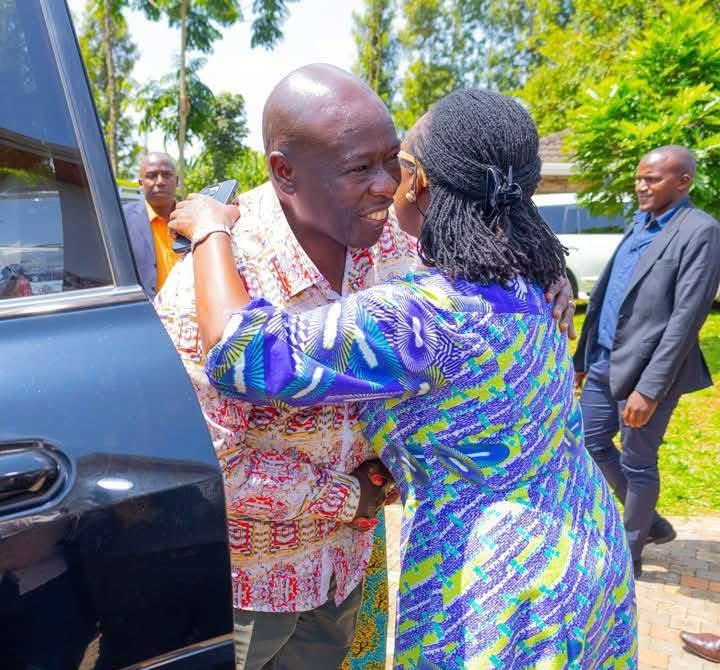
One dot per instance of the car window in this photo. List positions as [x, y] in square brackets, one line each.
[587, 223]
[50, 240]
[129, 194]
[560, 218]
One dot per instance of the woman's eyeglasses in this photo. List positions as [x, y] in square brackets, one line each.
[419, 172]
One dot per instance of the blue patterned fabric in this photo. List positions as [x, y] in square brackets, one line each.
[513, 553]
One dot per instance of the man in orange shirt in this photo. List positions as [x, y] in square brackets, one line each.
[147, 219]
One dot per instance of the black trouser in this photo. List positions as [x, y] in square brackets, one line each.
[633, 473]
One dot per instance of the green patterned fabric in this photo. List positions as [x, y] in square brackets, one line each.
[513, 552]
[369, 646]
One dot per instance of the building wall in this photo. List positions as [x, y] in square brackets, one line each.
[557, 184]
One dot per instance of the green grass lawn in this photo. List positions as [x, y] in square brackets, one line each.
[690, 455]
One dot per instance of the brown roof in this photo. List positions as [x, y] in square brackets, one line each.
[551, 148]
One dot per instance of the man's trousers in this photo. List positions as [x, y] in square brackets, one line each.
[633, 473]
[317, 640]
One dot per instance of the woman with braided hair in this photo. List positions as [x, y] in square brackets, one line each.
[513, 552]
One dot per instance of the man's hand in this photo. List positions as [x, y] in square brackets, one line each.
[373, 477]
[561, 295]
[638, 410]
[579, 379]
[200, 210]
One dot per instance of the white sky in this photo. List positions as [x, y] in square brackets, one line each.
[316, 31]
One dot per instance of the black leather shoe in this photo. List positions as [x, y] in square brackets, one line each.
[661, 532]
[637, 567]
[706, 645]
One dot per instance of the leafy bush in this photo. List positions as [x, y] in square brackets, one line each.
[665, 89]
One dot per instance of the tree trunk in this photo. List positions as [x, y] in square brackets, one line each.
[110, 92]
[184, 103]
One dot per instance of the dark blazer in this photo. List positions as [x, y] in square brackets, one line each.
[142, 244]
[656, 349]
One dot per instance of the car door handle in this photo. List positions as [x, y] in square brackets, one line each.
[30, 474]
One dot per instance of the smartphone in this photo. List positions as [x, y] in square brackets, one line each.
[224, 191]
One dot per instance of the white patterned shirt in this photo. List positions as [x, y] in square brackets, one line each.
[285, 469]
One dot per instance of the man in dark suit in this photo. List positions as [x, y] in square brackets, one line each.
[147, 221]
[638, 351]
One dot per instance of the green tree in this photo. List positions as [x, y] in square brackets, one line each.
[664, 89]
[447, 44]
[158, 100]
[266, 29]
[247, 166]
[224, 154]
[200, 22]
[501, 47]
[574, 44]
[434, 45]
[222, 138]
[377, 47]
[110, 54]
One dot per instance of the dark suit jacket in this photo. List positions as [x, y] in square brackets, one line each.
[142, 244]
[656, 349]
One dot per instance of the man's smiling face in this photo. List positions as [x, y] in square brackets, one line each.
[345, 184]
[660, 183]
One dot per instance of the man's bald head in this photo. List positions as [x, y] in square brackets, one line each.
[677, 157]
[155, 157]
[313, 101]
[332, 152]
[664, 177]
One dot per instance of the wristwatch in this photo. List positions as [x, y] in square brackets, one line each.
[203, 232]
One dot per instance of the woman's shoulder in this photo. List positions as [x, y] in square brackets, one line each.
[425, 285]
[431, 286]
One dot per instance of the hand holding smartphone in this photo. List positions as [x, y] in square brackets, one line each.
[224, 192]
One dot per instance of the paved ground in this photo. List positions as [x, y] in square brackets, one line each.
[680, 589]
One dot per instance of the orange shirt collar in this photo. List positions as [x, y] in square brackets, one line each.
[152, 214]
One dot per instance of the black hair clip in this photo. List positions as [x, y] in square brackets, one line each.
[502, 191]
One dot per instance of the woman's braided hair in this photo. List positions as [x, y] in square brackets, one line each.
[480, 153]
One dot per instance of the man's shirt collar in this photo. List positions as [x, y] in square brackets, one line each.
[643, 218]
[152, 214]
[295, 268]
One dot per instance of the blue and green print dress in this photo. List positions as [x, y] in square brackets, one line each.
[513, 554]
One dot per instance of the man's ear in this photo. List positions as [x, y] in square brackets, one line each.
[685, 182]
[282, 172]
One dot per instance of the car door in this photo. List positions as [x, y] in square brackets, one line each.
[113, 540]
[597, 239]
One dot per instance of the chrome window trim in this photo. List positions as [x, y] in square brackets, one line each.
[51, 303]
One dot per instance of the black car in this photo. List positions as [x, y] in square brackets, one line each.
[113, 540]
